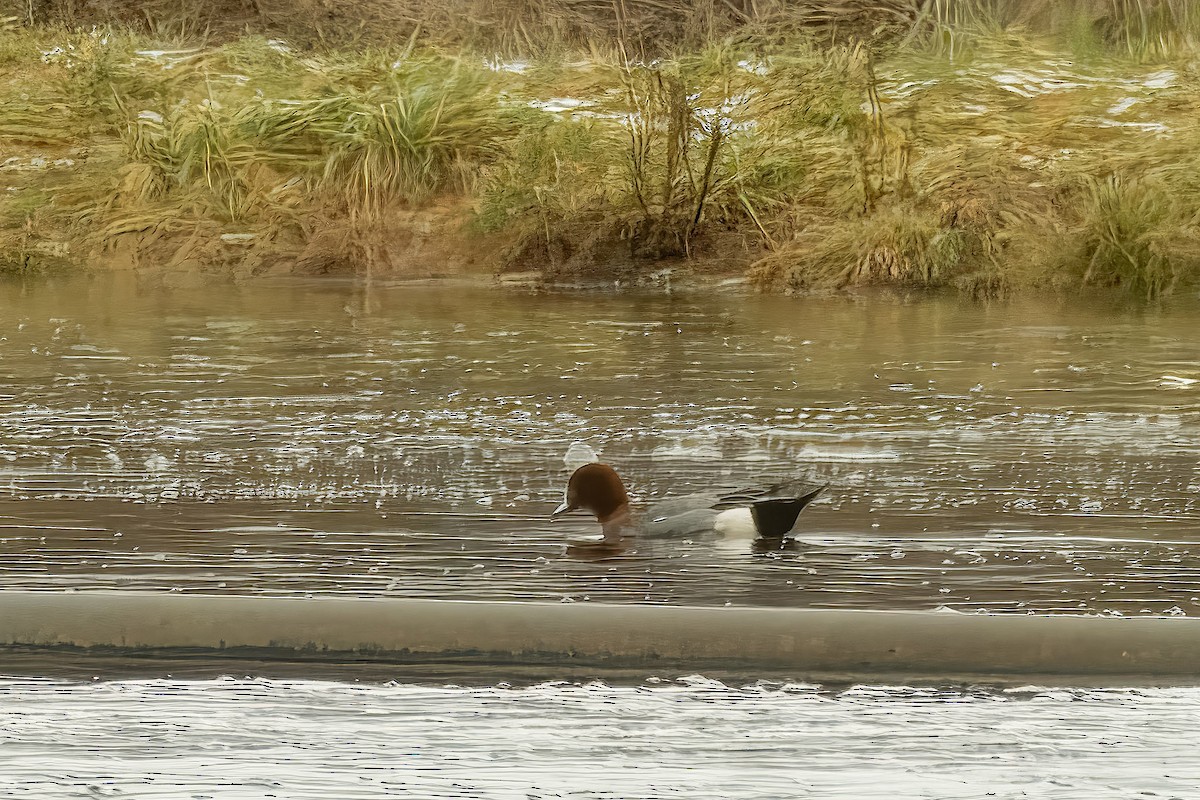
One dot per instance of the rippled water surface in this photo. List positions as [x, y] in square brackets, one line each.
[692, 738]
[325, 438]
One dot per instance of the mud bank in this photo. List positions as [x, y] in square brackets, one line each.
[800, 642]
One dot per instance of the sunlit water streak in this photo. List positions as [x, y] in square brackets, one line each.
[321, 438]
[694, 738]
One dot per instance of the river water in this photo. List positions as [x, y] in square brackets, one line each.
[330, 438]
[408, 440]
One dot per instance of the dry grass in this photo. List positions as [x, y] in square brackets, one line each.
[929, 144]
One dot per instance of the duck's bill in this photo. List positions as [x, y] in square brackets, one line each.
[562, 509]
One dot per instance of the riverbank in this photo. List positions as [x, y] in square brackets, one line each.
[989, 162]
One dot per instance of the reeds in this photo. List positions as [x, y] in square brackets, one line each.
[648, 28]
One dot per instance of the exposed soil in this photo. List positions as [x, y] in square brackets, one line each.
[429, 242]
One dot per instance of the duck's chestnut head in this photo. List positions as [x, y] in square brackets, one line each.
[596, 488]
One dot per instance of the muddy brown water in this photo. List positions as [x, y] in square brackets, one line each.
[330, 438]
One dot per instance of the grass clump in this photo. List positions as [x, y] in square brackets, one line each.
[419, 132]
[246, 160]
[904, 244]
[1135, 234]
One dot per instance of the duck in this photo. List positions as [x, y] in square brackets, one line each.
[766, 513]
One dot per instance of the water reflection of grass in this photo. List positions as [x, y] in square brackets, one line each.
[956, 150]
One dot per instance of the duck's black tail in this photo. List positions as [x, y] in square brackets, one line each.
[776, 516]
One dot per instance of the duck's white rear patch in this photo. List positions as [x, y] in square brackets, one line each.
[736, 523]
